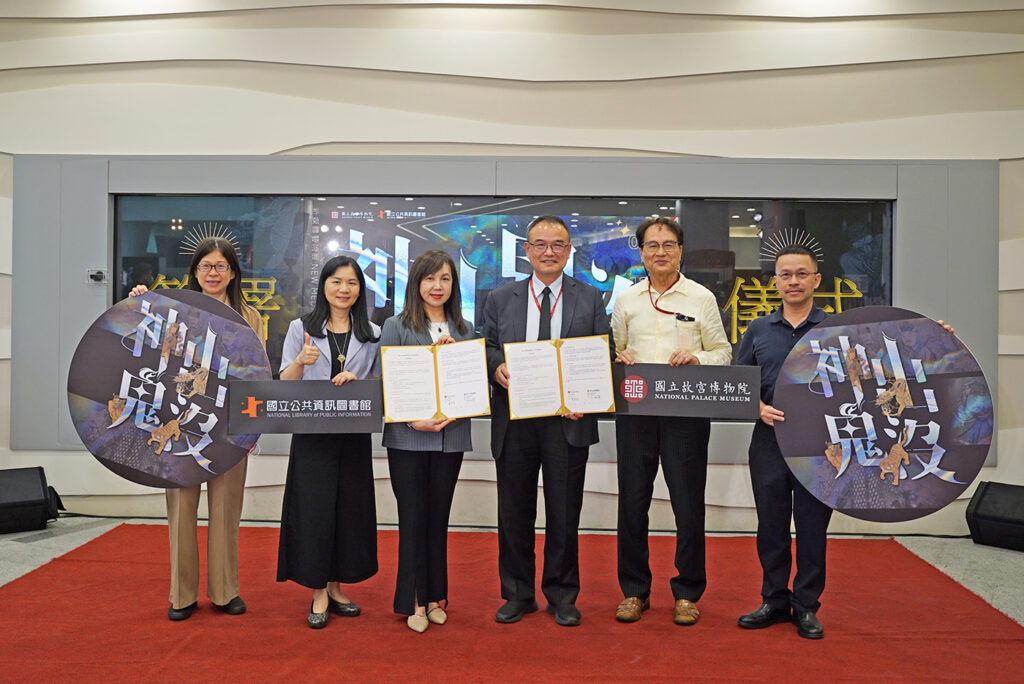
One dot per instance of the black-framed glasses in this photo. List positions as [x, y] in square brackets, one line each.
[556, 247]
[799, 275]
[669, 246]
[204, 267]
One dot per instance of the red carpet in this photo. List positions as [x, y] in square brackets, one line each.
[98, 613]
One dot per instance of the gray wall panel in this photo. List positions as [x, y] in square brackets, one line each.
[35, 297]
[86, 233]
[920, 240]
[699, 178]
[268, 175]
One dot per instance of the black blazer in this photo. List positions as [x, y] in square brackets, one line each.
[583, 314]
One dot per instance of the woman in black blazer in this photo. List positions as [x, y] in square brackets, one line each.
[425, 456]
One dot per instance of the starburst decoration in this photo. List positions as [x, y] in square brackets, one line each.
[201, 231]
[773, 244]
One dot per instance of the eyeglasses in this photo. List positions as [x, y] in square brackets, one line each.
[555, 247]
[205, 267]
[669, 246]
[799, 275]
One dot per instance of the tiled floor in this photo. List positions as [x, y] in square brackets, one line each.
[996, 575]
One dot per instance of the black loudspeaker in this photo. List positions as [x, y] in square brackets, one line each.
[26, 503]
[995, 515]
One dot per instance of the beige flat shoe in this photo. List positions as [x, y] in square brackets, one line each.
[437, 615]
[418, 623]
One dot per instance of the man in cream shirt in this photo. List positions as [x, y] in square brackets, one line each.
[664, 319]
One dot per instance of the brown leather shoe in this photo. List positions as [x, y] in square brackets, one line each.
[686, 613]
[631, 609]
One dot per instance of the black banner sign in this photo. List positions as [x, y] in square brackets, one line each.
[305, 406]
[657, 389]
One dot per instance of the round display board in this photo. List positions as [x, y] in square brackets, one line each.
[147, 388]
[888, 415]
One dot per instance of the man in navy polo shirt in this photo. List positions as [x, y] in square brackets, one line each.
[778, 495]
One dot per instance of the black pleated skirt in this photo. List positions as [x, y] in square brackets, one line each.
[329, 517]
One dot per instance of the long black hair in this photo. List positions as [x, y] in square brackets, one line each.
[414, 315]
[315, 320]
[234, 289]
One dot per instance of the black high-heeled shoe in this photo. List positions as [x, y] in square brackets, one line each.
[343, 609]
[316, 620]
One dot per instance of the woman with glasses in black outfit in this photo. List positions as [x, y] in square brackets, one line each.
[329, 518]
[214, 271]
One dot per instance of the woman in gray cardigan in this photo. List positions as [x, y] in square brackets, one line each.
[425, 456]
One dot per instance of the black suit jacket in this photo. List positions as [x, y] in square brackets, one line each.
[583, 314]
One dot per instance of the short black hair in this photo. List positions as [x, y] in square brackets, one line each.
[547, 218]
[669, 223]
[795, 249]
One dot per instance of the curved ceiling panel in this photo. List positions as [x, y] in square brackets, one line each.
[516, 56]
[749, 101]
[895, 78]
[131, 119]
[767, 8]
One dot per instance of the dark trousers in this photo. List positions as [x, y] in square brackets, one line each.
[424, 484]
[779, 496]
[329, 518]
[682, 445]
[531, 446]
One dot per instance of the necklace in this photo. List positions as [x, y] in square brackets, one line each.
[339, 348]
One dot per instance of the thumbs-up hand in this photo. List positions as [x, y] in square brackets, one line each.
[309, 353]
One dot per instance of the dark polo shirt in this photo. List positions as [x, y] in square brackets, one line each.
[768, 341]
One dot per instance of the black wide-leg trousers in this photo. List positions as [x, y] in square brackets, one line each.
[681, 445]
[424, 485]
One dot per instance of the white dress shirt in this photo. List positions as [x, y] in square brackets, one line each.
[652, 336]
[533, 308]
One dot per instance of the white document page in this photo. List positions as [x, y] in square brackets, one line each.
[462, 379]
[410, 386]
[533, 389]
[586, 374]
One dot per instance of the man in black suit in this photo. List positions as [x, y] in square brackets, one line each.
[548, 305]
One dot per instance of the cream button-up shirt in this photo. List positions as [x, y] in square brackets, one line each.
[652, 336]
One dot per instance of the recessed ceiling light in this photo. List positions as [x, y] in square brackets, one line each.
[575, 213]
[373, 203]
[753, 225]
[456, 204]
[751, 209]
[321, 199]
[663, 208]
[337, 229]
[421, 207]
[332, 245]
[341, 206]
[735, 216]
[408, 199]
[324, 229]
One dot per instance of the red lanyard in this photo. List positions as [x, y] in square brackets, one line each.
[654, 302]
[551, 314]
